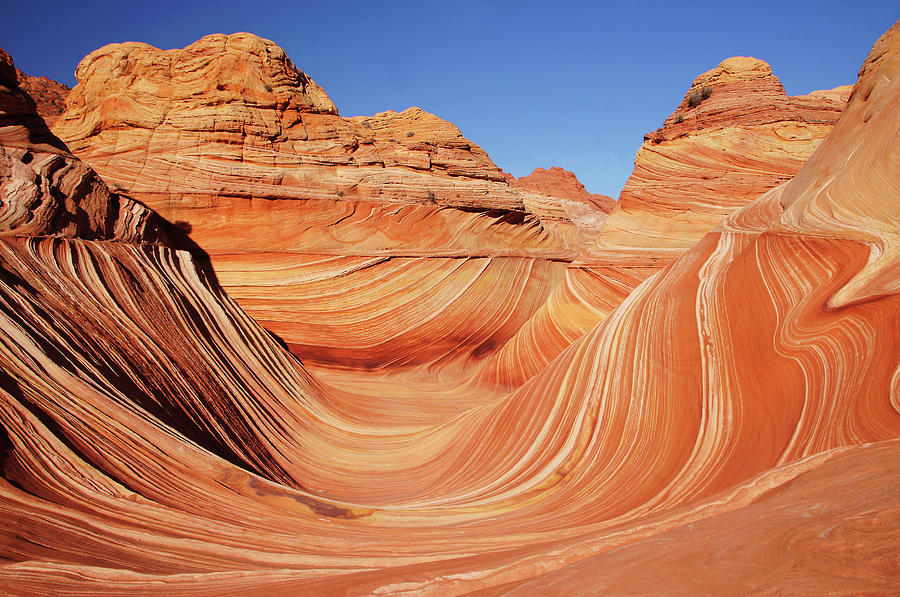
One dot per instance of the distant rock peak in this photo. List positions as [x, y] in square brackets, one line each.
[742, 91]
[736, 68]
[559, 182]
[48, 95]
[734, 136]
[225, 75]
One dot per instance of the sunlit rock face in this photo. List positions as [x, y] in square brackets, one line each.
[45, 191]
[742, 401]
[557, 181]
[228, 138]
[560, 200]
[232, 117]
[297, 206]
[733, 137]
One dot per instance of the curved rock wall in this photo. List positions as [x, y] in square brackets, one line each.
[742, 401]
[231, 142]
[734, 136]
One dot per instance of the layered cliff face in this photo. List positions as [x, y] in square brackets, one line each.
[45, 191]
[337, 196]
[560, 200]
[734, 136]
[743, 401]
[559, 182]
[266, 131]
[229, 138]
[20, 125]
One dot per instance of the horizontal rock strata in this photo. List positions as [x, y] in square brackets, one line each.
[734, 136]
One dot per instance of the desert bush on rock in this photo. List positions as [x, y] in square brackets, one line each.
[696, 97]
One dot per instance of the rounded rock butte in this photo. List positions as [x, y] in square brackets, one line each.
[490, 395]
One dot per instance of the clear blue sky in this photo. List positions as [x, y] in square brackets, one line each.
[571, 84]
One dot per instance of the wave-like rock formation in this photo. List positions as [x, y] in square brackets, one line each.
[735, 136]
[230, 140]
[744, 401]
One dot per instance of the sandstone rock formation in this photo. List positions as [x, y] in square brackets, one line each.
[743, 401]
[559, 182]
[267, 131]
[560, 200]
[20, 126]
[295, 204]
[48, 95]
[212, 147]
[45, 191]
[733, 137]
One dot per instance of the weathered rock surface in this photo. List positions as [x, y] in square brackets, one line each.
[48, 95]
[45, 191]
[719, 151]
[228, 137]
[559, 182]
[743, 401]
[20, 125]
[564, 205]
[231, 116]
[734, 136]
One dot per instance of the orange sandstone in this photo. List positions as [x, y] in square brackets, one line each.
[734, 136]
[49, 96]
[45, 191]
[229, 137]
[742, 401]
[559, 182]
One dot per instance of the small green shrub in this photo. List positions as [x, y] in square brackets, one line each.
[679, 117]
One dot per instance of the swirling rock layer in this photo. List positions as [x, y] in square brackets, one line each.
[743, 401]
[734, 136]
[230, 141]
[45, 191]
